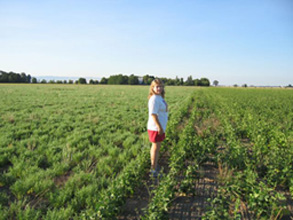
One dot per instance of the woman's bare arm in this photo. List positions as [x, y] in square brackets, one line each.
[156, 120]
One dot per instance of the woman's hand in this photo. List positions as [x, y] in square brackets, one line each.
[160, 131]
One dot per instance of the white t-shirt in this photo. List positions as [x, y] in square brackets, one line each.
[158, 106]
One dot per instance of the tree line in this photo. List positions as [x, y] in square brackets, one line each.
[147, 79]
[119, 79]
[12, 77]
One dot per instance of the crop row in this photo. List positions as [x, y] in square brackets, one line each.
[256, 157]
[188, 152]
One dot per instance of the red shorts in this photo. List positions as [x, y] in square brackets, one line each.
[155, 137]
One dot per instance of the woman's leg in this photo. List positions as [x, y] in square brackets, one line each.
[155, 154]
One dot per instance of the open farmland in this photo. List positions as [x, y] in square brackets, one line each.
[82, 152]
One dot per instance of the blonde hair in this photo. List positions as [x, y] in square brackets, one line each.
[154, 83]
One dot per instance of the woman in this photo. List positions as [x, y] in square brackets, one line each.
[157, 122]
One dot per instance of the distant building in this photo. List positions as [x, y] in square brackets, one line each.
[140, 80]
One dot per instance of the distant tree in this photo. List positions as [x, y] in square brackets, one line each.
[94, 82]
[82, 81]
[104, 80]
[244, 85]
[23, 78]
[235, 85]
[168, 81]
[12, 77]
[177, 81]
[70, 81]
[171, 82]
[34, 80]
[204, 82]
[147, 80]
[28, 78]
[64, 82]
[196, 82]
[3, 77]
[59, 82]
[52, 81]
[113, 80]
[189, 81]
[133, 80]
[44, 81]
[118, 80]
[216, 83]
[164, 80]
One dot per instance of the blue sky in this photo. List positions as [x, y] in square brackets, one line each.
[234, 42]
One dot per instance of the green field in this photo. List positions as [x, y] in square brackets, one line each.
[78, 152]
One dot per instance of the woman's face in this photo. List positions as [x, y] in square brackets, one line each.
[158, 89]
